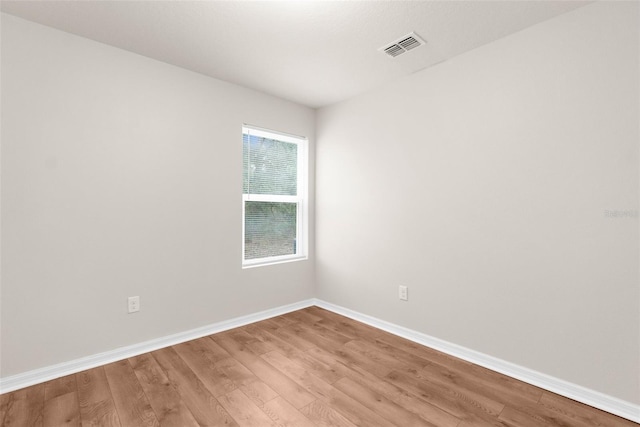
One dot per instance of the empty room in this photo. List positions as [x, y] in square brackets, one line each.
[320, 213]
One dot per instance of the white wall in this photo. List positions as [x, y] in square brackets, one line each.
[482, 184]
[121, 176]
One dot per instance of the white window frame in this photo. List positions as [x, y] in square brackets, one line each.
[300, 199]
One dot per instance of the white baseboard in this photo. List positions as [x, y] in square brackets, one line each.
[564, 388]
[41, 375]
[587, 396]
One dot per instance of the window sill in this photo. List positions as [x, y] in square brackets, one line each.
[273, 261]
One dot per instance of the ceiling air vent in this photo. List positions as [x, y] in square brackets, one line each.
[406, 43]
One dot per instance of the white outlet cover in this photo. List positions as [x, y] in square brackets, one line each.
[134, 304]
[403, 293]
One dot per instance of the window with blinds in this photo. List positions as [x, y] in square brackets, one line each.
[273, 199]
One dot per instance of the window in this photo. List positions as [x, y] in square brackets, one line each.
[274, 208]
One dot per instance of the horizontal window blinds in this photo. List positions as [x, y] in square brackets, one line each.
[270, 229]
[270, 166]
[272, 202]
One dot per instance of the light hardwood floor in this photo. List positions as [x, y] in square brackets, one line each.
[306, 368]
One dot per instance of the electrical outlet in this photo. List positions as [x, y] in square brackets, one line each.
[134, 304]
[403, 293]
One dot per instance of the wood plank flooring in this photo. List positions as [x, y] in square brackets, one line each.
[303, 369]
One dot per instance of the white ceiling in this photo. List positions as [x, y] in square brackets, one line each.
[314, 53]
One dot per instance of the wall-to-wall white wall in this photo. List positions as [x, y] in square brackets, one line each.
[488, 185]
[121, 176]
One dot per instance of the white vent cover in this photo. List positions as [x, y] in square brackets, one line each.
[402, 45]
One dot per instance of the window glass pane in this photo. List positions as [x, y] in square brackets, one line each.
[270, 229]
[269, 166]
